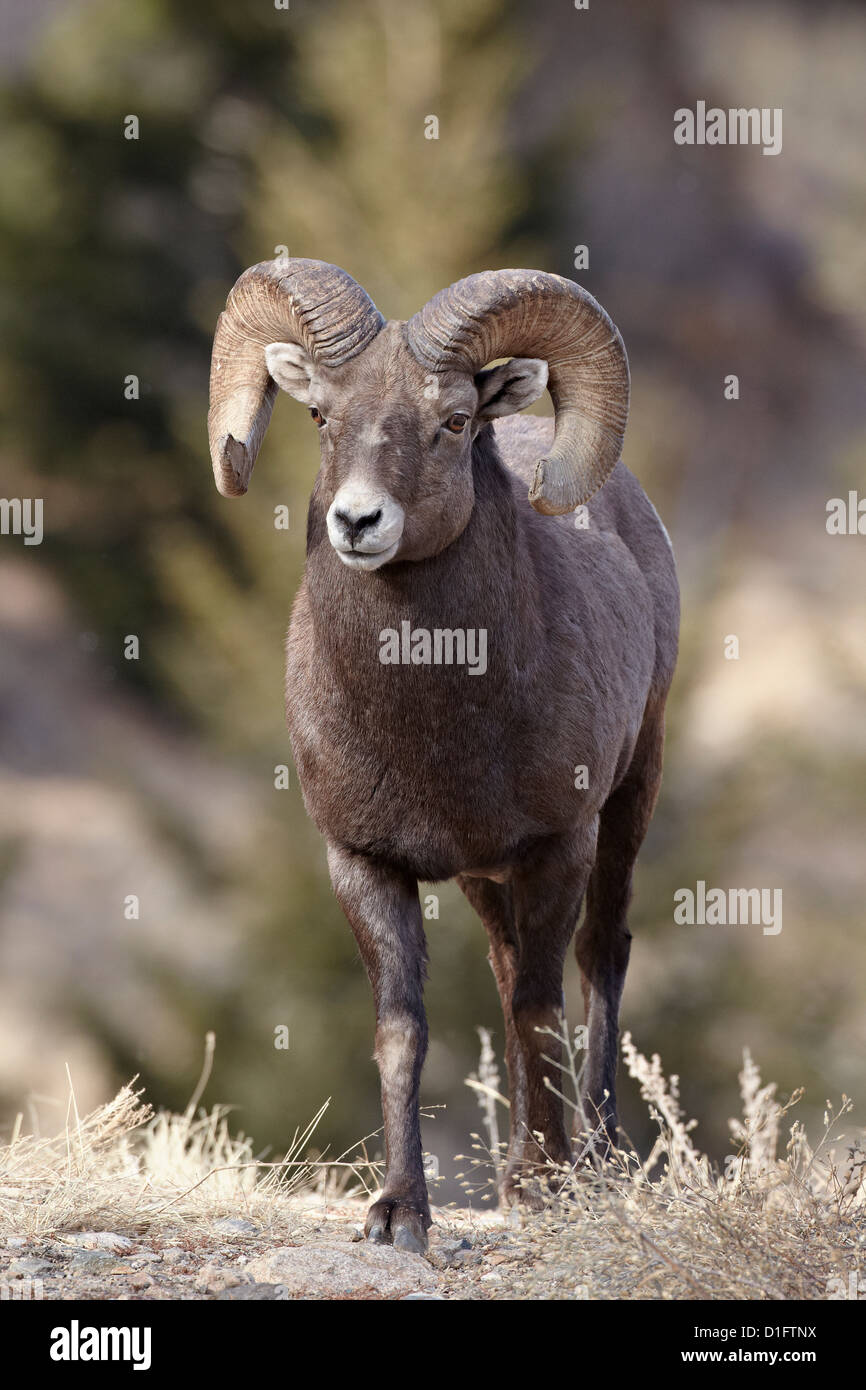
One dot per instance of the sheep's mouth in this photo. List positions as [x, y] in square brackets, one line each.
[368, 559]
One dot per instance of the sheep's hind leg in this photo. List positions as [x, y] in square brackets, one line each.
[603, 942]
[547, 894]
[494, 904]
[383, 909]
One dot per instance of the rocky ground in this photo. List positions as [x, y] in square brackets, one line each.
[321, 1254]
[125, 1205]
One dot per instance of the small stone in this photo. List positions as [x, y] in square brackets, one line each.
[431, 1297]
[140, 1281]
[100, 1240]
[15, 1242]
[90, 1259]
[453, 1252]
[236, 1225]
[257, 1292]
[216, 1279]
[29, 1268]
[334, 1270]
[463, 1257]
[173, 1257]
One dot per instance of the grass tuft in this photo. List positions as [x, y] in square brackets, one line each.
[769, 1224]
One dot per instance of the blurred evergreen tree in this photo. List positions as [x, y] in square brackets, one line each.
[255, 128]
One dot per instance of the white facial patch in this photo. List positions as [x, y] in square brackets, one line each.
[373, 436]
[365, 525]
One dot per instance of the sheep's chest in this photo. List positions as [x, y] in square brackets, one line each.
[426, 766]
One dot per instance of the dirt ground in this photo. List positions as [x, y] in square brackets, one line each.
[315, 1250]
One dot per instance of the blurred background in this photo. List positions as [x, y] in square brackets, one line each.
[155, 776]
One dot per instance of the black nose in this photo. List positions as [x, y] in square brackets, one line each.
[354, 528]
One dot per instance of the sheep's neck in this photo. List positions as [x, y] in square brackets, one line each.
[483, 580]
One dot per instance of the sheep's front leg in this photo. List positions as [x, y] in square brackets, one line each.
[383, 909]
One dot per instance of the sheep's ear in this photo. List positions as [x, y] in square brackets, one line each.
[510, 387]
[291, 368]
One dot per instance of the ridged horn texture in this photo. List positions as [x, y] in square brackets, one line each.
[311, 303]
[528, 313]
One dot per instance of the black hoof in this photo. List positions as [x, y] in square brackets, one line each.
[392, 1222]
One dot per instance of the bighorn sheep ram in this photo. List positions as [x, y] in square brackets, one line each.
[411, 769]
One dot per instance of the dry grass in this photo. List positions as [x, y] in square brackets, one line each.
[124, 1168]
[769, 1225]
[780, 1220]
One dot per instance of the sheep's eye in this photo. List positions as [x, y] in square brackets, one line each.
[318, 417]
[456, 422]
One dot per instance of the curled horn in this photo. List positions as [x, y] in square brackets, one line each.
[527, 313]
[310, 303]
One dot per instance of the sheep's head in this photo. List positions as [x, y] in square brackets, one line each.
[397, 405]
[396, 442]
